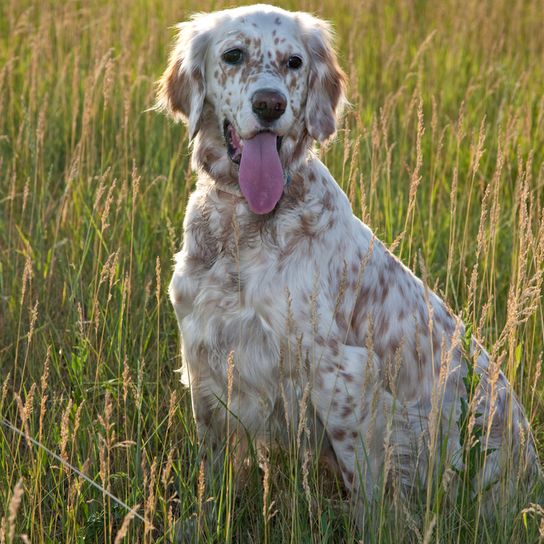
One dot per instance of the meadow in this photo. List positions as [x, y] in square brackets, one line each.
[441, 152]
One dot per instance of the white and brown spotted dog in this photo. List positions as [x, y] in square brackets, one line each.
[289, 308]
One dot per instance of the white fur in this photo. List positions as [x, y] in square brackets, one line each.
[306, 298]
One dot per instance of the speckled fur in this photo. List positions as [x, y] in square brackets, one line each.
[306, 296]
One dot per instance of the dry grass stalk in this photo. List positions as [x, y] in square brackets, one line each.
[127, 380]
[310, 500]
[285, 363]
[64, 433]
[538, 511]
[536, 380]
[230, 382]
[25, 409]
[150, 501]
[167, 469]
[268, 506]
[201, 489]
[303, 419]
[7, 525]
[123, 530]
[172, 407]
[428, 536]
[5, 389]
[415, 178]
[412, 523]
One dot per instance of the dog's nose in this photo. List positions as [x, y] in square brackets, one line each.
[268, 104]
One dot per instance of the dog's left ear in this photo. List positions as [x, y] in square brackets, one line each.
[182, 87]
[326, 81]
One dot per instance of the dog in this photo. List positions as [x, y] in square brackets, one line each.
[290, 310]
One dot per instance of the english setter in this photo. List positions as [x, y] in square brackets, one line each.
[289, 308]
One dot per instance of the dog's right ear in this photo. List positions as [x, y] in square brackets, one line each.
[182, 87]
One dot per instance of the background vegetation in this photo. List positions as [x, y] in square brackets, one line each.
[442, 153]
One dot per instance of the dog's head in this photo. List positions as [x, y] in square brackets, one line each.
[256, 84]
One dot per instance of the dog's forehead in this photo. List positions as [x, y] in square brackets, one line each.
[265, 29]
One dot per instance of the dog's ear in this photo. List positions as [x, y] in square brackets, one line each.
[182, 87]
[326, 80]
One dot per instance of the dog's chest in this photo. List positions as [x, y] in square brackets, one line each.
[253, 279]
[244, 315]
[244, 302]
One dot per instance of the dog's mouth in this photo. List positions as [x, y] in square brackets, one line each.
[233, 141]
[260, 172]
[235, 144]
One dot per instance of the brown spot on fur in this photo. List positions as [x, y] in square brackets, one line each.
[328, 201]
[286, 252]
[307, 225]
[436, 343]
[295, 192]
[382, 327]
[383, 294]
[415, 353]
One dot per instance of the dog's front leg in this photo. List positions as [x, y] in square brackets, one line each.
[350, 404]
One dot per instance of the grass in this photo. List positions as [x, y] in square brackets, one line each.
[441, 153]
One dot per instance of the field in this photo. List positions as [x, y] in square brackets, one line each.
[441, 152]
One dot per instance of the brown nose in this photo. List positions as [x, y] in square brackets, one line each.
[268, 105]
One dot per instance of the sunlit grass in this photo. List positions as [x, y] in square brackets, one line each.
[441, 153]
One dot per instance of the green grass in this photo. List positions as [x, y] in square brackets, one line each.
[446, 98]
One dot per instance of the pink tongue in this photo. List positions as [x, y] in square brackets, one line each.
[261, 174]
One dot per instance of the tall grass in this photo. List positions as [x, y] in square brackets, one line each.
[441, 152]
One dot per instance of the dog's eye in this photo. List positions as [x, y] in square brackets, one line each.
[294, 62]
[233, 56]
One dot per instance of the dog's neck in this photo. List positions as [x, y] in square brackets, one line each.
[229, 188]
